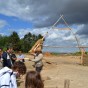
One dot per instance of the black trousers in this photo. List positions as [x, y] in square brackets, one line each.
[38, 69]
[9, 64]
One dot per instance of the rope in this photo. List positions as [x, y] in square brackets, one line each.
[52, 27]
[72, 33]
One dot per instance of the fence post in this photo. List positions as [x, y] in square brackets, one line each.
[82, 55]
[66, 83]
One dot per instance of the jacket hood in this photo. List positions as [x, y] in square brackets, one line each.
[5, 69]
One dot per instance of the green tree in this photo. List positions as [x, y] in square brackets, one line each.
[14, 41]
[29, 40]
[4, 41]
[24, 44]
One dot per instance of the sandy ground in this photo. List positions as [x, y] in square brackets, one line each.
[59, 69]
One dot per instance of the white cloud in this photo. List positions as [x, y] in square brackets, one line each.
[71, 37]
[41, 31]
[83, 41]
[22, 32]
[2, 34]
[53, 36]
[2, 23]
[13, 8]
[79, 27]
[81, 34]
[35, 31]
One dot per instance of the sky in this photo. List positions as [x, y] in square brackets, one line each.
[38, 17]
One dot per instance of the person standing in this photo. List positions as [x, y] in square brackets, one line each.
[13, 57]
[36, 51]
[6, 56]
[20, 57]
[38, 56]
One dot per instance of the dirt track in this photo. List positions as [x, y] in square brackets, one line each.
[59, 69]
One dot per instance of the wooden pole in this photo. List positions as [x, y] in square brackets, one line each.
[82, 56]
[67, 83]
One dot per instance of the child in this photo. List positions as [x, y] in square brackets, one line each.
[33, 80]
[8, 76]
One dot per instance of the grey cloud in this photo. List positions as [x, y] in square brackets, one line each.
[68, 33]
[44, 13]
[83, 31]
[76, 11]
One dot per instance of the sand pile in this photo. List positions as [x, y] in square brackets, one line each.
[47, 54]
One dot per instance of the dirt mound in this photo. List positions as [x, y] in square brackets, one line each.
[47, 54]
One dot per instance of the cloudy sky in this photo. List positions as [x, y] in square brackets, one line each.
[38, 17]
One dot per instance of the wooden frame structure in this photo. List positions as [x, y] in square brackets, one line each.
[39, 43]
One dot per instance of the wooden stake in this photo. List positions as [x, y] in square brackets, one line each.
[66, 83]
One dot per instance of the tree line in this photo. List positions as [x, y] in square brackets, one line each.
[13, 40]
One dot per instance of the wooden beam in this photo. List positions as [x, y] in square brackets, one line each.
[65, 46]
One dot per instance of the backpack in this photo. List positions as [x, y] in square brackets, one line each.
[10, 73]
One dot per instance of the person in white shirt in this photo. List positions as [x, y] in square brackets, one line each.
[8, 76]
[21, 57]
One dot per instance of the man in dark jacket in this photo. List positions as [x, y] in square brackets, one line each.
[6, 56]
